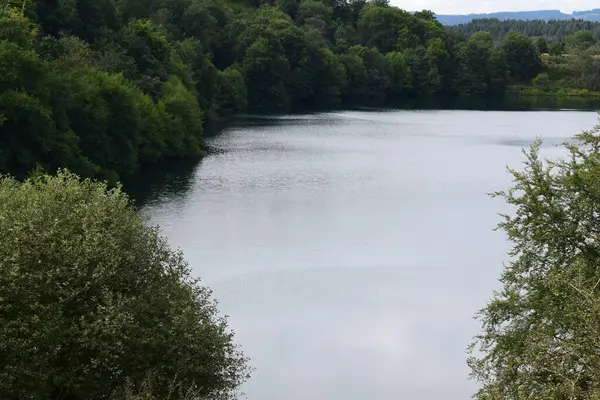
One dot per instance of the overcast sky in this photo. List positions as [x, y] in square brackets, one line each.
[486, 6]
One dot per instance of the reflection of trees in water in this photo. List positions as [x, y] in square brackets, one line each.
[170, 179]
[554, 102]
[498, 103]
[504, 103]
[175, 177]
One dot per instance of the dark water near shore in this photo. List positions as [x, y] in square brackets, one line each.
[351, 249]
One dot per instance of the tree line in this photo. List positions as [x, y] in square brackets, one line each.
[551, 30]
[104, 86]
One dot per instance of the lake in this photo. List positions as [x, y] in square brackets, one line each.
[352, 249]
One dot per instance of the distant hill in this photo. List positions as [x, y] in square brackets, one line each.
[589, 15]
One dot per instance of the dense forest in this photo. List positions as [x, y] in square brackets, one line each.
[547, 15]
[104, 86]
[552, 30]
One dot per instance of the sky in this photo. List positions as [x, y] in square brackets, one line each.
[487, 6]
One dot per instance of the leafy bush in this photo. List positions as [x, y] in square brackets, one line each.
[94, 304]
[539, 335]
[542, 81]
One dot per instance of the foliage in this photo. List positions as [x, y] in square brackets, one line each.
[183, 120]
[267, 74]
[552, 30]
[556, 48]
[356, 75]
[586, 68]
[104, 87]
[231, 91]
[522, 57]
[399, 73]
[381, 26]
[539, 335]
[541, 44]
[15, 27]
[542, 81]
[483, 67]
[326, 74]
[93, 302]
[375, 67]
[201, 71]
[580, 41]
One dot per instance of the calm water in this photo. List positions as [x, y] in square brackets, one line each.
[351, 249]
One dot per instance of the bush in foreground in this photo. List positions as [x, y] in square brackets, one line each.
[94, 304]
[541, 332]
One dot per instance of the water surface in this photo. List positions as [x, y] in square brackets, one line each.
[351, 249]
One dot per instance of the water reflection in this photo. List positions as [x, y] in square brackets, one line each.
[159, 182]
[506, 103]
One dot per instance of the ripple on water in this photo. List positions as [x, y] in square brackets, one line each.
[351, 249]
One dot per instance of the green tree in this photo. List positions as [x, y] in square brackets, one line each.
[27, 128]
[539, 336]
[206, 21]
[423, 81]
[326, 76]
[439, 63]
[343, 38]
[380, 26]
[399, 73]
[201, 70]
[406, 39]
[112, 120]
[197, 22]
[497, 72]
[556, 48]
[378, 80]
[430, 28]
[522, 57]
[148, 45]
[267, 23]
[266, 73]
[357, 79]
[586, 69]
[580, 41]
[16, 28]
[553, 30]
[427, 15]
[542, 81]
[183, 119]
[94, 303]
[98, 18]
[231, 91]
[482, 39]
[315, 14]
[91, 20]
[32, 131]
[541, 44]
[290, 7]
[136, 9]
[483, 67]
